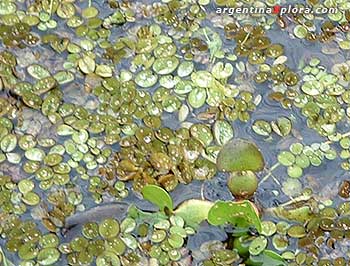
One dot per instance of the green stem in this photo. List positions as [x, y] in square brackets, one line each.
[51, 6]
[89, 3]
[205, 35]
[276, 165]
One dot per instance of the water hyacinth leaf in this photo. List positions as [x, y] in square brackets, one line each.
[158, 196]
[38, 71]
[242, 214]
[194, 211]
[240, 155]
[223, 132]
[242, 184]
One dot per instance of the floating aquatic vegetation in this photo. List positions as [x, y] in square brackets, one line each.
[99, 101]
[240, 155]
[282, 127]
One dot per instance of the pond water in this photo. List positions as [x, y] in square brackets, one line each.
[166, 133]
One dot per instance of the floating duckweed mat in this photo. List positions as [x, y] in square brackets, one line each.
[174, 132]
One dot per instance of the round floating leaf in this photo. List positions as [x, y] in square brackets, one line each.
[38, 71]
[258, 245]
[158, 196]
[240, 155]
[242, 184]
[223, 132]
[48, 256]
[109, 228]
[194, 211]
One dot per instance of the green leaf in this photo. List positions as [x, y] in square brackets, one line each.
[301, 214]
[194, 211]
[240, 214]
[63, 77]
[38, 71]
[240, 155]
[266, 258]
[158, 196]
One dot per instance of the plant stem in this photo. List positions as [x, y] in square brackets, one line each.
[51, 6]
[89, 3]
[246, 38]
[269, 173]
[290, 202]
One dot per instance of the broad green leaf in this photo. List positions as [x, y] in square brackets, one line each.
[240, 155]
[266, 258]
[194, 211]
[158, 196]
[240, 214]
